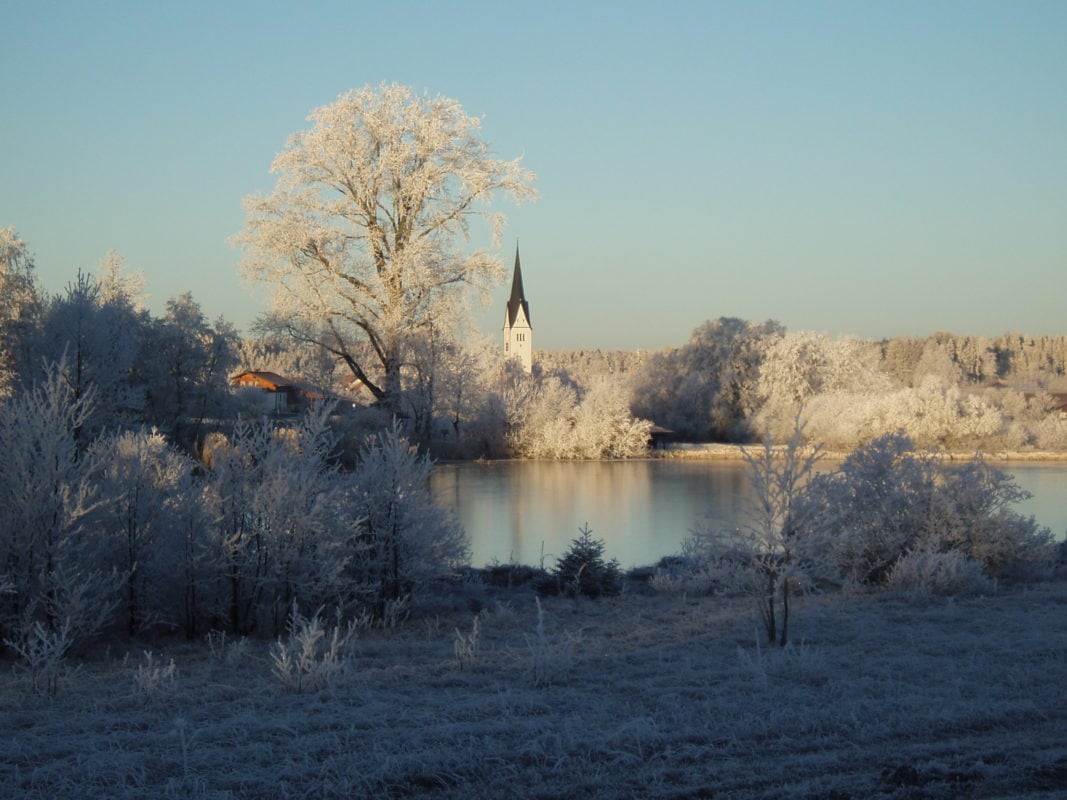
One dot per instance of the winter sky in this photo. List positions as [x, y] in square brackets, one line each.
[866, 168]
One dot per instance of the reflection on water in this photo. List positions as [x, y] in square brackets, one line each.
[1048, 485]
[521, 511]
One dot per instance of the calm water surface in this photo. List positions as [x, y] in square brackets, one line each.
[519, 511]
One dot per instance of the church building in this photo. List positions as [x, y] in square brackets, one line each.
[518, 333]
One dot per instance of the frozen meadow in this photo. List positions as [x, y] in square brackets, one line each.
[879, 695]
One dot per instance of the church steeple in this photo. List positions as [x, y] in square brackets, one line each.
[518, 332]
[518, 294]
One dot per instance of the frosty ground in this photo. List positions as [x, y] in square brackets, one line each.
[882, 696]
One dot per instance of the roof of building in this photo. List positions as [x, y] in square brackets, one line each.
[518, 296]
[271, 381]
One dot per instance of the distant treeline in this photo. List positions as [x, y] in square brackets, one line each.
[736, 380]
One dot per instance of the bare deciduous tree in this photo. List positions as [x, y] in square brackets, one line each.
[765, 557]
[358, 238]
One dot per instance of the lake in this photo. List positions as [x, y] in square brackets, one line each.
[527, 512]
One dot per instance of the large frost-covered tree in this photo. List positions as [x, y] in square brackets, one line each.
[97, 338]
[19, 303]
[279, 518]
[47, 506]
[359, 237]
[143, 482]
[405, 537]
[707, 388]
[185, 369]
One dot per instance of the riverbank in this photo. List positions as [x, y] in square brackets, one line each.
[881, 697]
[733, 452]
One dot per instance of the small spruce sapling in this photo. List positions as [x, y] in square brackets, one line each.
[583, 571]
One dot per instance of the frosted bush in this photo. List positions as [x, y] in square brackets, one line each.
[282, 519]
[944, 574]
[690, 578]
[547, 419]
[405, 537]
[1050, 433]
[695, 572]
[42, 653]
[886, 500]
[311, 655]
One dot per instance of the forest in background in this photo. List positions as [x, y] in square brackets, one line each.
[737, 381]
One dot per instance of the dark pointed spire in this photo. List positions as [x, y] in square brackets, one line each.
[518, 295]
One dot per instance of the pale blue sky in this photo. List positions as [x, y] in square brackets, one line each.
[866, 168]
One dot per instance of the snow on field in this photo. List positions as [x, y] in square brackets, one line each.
[639, 696]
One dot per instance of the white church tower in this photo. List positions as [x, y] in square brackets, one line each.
[518, 333]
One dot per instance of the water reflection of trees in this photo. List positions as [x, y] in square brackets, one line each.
[641, 509]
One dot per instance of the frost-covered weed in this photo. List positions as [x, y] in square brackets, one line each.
[794, 663]
[152, 678]
[433, 626]
[228, 650]
[467, 645]
[678, 582]
[549, 656]
[192, 785]
[922, 572]
[394, 612]
[312, 655]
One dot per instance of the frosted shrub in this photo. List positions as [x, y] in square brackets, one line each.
[886, 500]
[281, 519]
[312, 654]
[700, 569]
[975, 515]
[873, 508]
[42, 654]
[141, 479]
[48, 509]
[933, 414]
[152, 679]
[405, 537]
[924, 572]
[546, 419]
[691, 576]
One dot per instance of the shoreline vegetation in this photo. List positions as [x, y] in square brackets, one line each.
[733, 452]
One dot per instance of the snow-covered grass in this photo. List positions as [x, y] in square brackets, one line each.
[645, 696]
